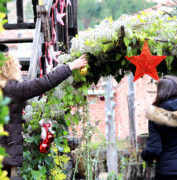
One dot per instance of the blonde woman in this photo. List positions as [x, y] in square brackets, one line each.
[19, 92]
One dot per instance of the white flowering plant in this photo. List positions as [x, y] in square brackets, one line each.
[108, 43]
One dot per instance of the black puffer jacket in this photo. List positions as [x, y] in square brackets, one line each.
[162, 143]
[19, 92]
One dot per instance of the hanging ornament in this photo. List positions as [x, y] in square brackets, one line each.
[59, 17]
[46, 127]
[44, 147]
[46, 135]
[146, 63]
[49, 138]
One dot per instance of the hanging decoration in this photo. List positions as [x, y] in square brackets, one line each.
[60, 17]
[44, 147]
[146, 63]
[46, 135]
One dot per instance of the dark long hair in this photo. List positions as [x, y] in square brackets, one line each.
[166, 89]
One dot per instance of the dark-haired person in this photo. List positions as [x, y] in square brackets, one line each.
[162, 142]
[19, 92]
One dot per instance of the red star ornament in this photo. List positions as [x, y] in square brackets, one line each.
[146, 63]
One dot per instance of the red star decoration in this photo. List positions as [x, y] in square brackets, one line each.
[146, 63]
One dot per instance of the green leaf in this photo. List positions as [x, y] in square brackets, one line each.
[169, 60]
[126, 41]
[134, 41]
[118, 56]
[123, 62]
[65, 133]
[129, 51]
[3, 152]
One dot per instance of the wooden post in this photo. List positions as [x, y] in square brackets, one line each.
[14, 172]
[19, 5]
[131, 110]
[112, 158]
[45, 23]
[72, 21]
[35, 3]
[32, 73]
[66, 31]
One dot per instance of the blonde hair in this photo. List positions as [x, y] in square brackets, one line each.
[9, 71]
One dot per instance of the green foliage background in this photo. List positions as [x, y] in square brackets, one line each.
[92, 12]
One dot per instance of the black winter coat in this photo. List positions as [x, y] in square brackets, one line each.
[162, 143]
[19, 92]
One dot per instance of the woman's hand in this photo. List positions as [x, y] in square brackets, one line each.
[78, 63]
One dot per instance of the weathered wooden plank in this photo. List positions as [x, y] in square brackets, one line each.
[19, 26]
[112, 157]
[133, 171]
[32, 73]
[45, 23]
[14, 172]
[19, 6]
[131, 110]
[21, 40]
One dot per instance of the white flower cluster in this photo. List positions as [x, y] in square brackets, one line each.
[30, 110]
[28, 116]
[56, 111]
[63, 58]
[134, 25]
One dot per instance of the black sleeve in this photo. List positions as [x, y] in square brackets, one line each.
[154, 145]
[29, 89]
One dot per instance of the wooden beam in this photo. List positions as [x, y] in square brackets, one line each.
[67, 33]
[45, 22]
[32, 73]
[20, 26]
[21, 40]
[19, 6]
